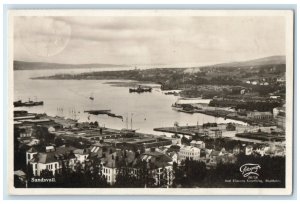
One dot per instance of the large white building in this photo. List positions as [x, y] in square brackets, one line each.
[189, 152]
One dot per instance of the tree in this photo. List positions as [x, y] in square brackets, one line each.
[29, 173]
[18, 183]
[58, 141]
[185, 141]
[45, 173]
[178, 174]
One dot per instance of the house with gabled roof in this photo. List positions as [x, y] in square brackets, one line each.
[52, 159]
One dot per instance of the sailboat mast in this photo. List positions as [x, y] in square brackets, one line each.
[131, 122]
[75, 114]
[127, 122]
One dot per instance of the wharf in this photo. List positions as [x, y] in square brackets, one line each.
[184, 130]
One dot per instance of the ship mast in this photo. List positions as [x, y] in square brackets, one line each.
[131, 121]
[127, 121]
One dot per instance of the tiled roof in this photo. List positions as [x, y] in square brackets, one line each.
[80, 151]
[54, 156]
[158, 159]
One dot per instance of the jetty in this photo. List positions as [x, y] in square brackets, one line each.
[183, 130]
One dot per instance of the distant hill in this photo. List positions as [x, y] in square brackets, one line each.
[272, 60]
[21, 65]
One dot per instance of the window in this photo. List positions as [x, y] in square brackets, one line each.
[55, 166]
[28, 156]
[35, 166]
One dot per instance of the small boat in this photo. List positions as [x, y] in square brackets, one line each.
[91, 97]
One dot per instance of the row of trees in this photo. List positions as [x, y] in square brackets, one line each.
[189, 173]
[195, 174]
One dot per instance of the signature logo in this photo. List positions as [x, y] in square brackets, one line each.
[250, 169]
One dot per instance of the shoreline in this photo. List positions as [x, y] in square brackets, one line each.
[226, 116]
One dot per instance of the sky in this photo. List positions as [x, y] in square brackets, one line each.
[147, 40]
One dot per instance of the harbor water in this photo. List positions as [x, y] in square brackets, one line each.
[70, 98]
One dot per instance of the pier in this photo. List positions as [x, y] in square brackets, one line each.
[183, 130]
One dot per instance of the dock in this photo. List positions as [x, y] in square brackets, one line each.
[185, 130]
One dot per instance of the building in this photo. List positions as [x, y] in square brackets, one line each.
[161, 167]
[256, 115]
[81, 154]
[263, 149]
[213, 157]
[248, 150]
[274, 97]
[236, 150]
[279, 115]
[109, 169]
[141, 143]
[281, 79]
[281, 120]
[174, 156]
[198, 144]
[25, 131]
[52, 159]
[277, 110]
[215, 133]
[254, 82]
[189, 152]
